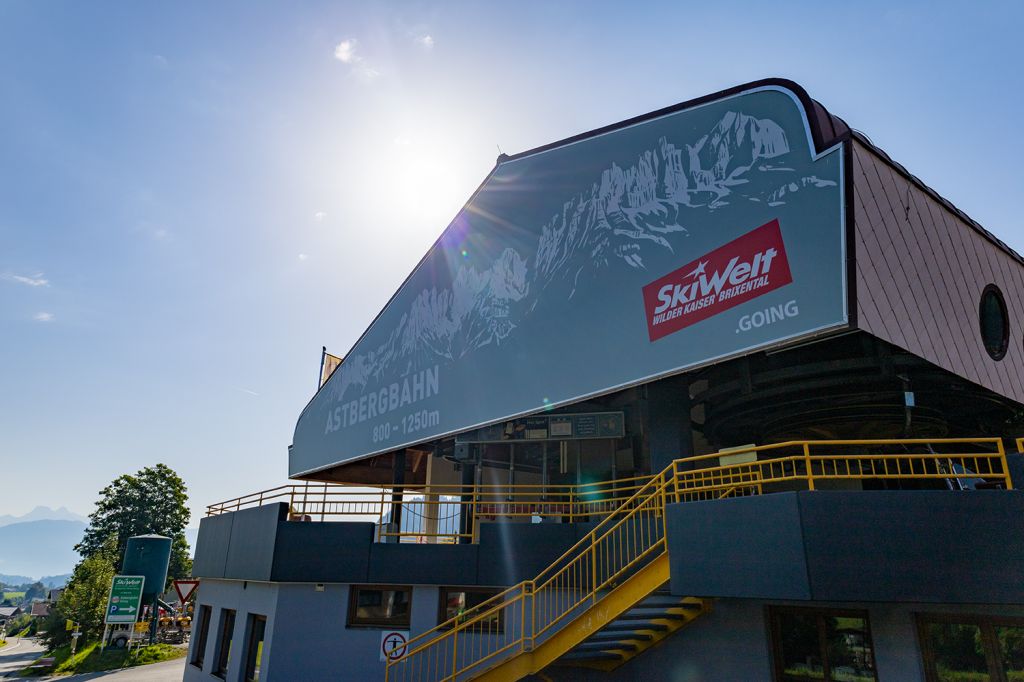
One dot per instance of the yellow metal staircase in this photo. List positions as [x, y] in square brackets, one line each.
[602, 602]
[573, 612]
[635, 631]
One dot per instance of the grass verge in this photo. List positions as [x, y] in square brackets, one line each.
[89, 658]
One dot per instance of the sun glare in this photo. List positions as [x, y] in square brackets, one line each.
[420, 187]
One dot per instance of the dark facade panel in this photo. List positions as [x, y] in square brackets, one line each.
[511, 552]
[261, 544]
[423, 564]
[920, 546]
[920, 272]
[212, 546]
[747, 547]
[875, 546]
[329, 552]
[253, 535]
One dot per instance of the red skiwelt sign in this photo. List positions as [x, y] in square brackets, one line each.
[739, 271]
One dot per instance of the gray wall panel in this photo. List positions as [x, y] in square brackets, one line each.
[895, 546]
[747, 547]
[212, 546]
[511, 552]
[423, 564]
[251, 549]
[322, 552]
[915, 546]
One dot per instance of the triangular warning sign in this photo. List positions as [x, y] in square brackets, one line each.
[185, 589]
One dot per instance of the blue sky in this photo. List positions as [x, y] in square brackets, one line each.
[194, 197]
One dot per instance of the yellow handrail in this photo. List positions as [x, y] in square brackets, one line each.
[436, 512]
[635, 531]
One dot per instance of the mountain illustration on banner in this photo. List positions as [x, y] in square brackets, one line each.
[624, 215]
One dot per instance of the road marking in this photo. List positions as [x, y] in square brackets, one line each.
[4, 651]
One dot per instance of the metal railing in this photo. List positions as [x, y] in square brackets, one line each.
[526, 615]
[440, 513]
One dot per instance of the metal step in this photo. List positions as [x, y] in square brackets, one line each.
[608, 645]
[648, 614]
[631, 626]
[591, 656]
[605, 636]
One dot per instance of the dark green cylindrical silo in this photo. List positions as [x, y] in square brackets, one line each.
[148, 555]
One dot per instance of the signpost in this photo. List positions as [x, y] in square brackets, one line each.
[125, 599]
[185, 589]
[393, 644]
[123, 602]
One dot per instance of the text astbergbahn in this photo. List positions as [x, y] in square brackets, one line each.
[743, 269]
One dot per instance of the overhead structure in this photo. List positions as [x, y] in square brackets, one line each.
[718, 392]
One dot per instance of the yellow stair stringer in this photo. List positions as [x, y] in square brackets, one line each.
[673, 626]
[612, 605]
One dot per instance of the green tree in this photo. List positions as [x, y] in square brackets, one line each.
[85, 597]
[151, 501]
[35, 591]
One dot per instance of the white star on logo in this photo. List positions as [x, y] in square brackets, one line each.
[699, 270]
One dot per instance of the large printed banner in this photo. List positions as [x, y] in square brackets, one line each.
[577, 270]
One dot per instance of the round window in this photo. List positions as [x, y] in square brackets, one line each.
[994, 321]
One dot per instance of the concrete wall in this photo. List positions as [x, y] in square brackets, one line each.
[245, 598]
[307, 637]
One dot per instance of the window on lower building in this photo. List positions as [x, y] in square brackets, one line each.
[974, 648]
[254, 647]
[227, 628]
[199, 646]
[379, 606]
[819, 644]
[457, 600]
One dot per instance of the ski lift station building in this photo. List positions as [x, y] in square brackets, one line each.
[721, 392]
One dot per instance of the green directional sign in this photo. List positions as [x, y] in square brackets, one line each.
[125, 599]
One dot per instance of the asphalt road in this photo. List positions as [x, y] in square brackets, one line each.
[19, 653]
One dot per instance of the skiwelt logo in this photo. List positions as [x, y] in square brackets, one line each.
[735, 273]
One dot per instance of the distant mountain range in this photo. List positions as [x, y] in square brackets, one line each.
[43, 514]
[39, 548]
[50, 581]
[41, 543]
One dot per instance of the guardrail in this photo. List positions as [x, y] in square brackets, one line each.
[453, 513]
[440, 513]
[528, 614]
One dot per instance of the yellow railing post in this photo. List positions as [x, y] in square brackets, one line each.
[455, 651]
[664, 511]
[593, 570]
[522, 620]
[807, 463]
[1006, 466]
[675, 479]
[533, 612]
